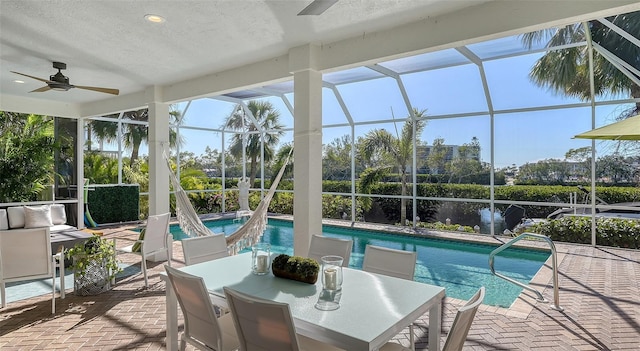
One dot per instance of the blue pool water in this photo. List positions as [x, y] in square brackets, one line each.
[460, 267]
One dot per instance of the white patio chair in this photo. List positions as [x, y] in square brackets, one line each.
[267, 325]
[459, 329]
[391, 262]
[323, 246]
[157, 240]
[25, 254]
[204, 248]
[462, 322]
[202, 328]
[394, 263]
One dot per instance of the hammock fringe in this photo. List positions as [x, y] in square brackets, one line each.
[247, 235]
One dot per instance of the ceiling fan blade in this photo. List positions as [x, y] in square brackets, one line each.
[101, 90]
[40, 90]
[36, 78]
[317, 7]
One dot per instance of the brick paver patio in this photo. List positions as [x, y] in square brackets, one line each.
[599, 290]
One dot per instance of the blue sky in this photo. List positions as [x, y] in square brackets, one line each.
[520, 137]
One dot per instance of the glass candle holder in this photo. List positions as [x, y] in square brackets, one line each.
[331, 274]
[260, 258]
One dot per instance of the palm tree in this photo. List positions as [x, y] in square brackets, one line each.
[280, 158]
[398, 149]
[134, 134]
[566, 71]
[268, 127]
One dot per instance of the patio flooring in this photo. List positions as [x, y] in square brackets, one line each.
[599, 291]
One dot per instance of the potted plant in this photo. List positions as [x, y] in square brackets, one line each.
[94, 265]
[296, 268]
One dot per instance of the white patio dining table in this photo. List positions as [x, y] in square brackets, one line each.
[373, 308]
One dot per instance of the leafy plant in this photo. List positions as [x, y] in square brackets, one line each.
[95, 248]
[305, 267]
[27, 148]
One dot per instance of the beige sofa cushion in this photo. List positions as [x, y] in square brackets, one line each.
[16, 217]
[58, 216]
[4, 220]
[37, 216]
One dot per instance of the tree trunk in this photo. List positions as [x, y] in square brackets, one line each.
[403, 201]
[253, 170]
[134, 154]
[635, 93]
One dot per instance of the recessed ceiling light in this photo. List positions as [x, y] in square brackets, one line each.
[154, 18]
[19, 81]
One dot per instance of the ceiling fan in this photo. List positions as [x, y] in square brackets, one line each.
[60, 82]
[317, 7]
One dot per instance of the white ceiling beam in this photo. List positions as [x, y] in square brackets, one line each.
[38, 106]
[253, 75]
[121, 103]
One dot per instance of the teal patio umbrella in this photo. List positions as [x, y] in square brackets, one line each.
[627, 129]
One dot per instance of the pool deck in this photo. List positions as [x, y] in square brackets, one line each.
[599, 291]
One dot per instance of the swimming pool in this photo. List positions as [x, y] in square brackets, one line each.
[460, 267]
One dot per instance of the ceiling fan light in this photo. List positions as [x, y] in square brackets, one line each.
[154, 18]
[59, 86]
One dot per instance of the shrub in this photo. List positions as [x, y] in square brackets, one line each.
[609, 231]
[448, 227]
[333, 206]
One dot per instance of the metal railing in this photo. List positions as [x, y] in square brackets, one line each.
[556, 298]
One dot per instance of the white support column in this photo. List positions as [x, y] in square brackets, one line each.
[307, 173]
[80, 172]
[158, 172]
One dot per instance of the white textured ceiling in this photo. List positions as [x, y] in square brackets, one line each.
[109, 44]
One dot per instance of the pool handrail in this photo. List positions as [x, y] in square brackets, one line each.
[556, 298]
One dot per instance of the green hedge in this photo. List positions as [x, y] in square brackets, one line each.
[206, 203]
[481, 178]
[532, 193]
[114, 204]
[609, 231]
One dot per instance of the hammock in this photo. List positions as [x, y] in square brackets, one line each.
[247, 235]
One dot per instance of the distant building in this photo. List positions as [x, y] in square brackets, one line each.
[452, 151]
